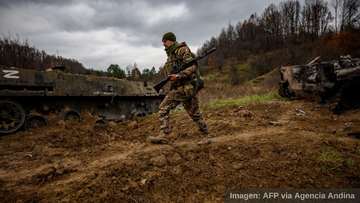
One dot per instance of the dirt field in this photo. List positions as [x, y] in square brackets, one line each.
[77, 162]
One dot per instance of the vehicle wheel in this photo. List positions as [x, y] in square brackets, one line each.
[101, 122]
[35, 121]
[12, 116]
[284, 92]
[71, 115]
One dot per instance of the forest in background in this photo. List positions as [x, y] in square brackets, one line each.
[286, 34]
[17, 52]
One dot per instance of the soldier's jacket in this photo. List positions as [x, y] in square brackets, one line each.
[187, 84]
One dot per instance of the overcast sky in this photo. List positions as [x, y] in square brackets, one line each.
[98, 33]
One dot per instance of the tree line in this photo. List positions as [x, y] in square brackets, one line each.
[289, 22]
[16, 52]
[289, 33]
[131, 72]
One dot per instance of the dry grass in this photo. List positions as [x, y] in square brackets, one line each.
[215, 92]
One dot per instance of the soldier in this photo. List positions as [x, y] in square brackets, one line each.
[184, 86]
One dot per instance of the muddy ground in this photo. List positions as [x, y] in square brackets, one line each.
[80, 162]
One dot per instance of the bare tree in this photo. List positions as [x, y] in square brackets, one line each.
[219, 61]
[335, 4]
[230, 35]
[17, 52]
[349, 14]
[290, 12]
[315, 18]
[325, 18]
[223, 43]
[271, 19]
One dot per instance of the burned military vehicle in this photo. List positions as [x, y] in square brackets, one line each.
[335, 82]
[27, 97]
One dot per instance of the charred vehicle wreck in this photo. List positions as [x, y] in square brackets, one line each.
[28, 96]
[335, 82]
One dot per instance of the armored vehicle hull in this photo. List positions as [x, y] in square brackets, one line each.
[336, 82]
[28, 96]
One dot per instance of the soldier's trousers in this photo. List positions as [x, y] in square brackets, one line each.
[191, 106]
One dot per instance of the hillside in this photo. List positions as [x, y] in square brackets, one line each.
[275, 148]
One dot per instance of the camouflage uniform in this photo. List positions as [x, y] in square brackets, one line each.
[191, 105]
[183, 91]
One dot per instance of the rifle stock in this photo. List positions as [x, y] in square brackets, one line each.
[161, 84]
[175, 70]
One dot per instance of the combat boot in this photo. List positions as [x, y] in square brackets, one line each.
[160, 139]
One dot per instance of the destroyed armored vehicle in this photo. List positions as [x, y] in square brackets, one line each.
[27, 97]
[335, 82]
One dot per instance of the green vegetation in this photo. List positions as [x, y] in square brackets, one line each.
[351, 162]
[331, 160]
[148, 74]
[211, 76]
[87, 72]
[246, 101]
[245, 65]
[114, 70]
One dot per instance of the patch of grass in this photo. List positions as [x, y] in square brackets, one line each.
[176, 110]
[245, 65]
[331, 160]
[211, 77]
[245, 101]
[270, 53]
[351, 162]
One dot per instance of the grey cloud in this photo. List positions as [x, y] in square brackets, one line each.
[7, 3]
[120, 32]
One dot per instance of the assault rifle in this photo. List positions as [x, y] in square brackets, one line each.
[176, 70]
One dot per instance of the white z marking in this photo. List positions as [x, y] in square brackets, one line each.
[11, 74]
